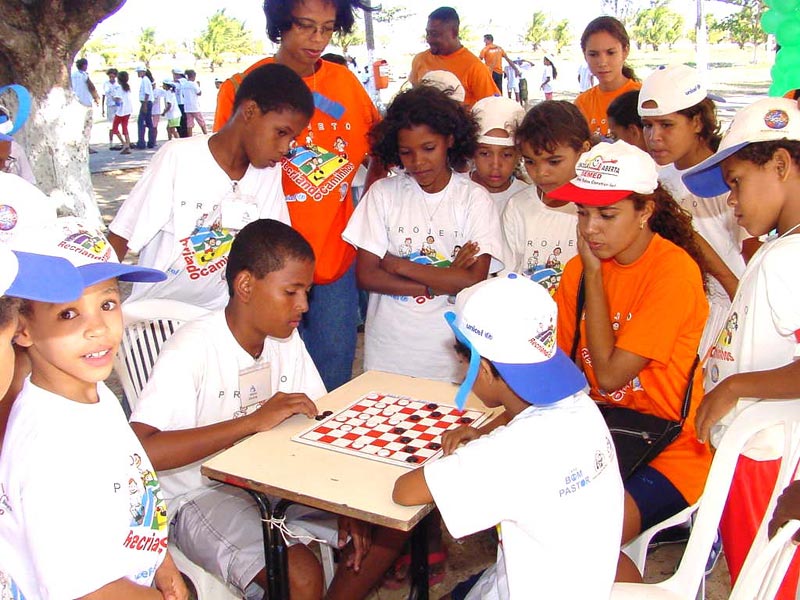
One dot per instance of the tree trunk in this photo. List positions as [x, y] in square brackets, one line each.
[38, 42]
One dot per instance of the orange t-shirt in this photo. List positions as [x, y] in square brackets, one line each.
[471, 72]
[658, 310]
[318, 175]
[593, 103]
[493, 57]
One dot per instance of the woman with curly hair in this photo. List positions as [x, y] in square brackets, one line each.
[644, 313]
[318, 173]
[421, 236]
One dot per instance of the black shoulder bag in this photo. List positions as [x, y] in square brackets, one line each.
[638, 437]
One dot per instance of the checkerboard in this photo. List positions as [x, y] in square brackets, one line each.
[398, 430]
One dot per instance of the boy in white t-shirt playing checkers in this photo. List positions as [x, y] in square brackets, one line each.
[192, 408]
[545, 478]
[755, 355]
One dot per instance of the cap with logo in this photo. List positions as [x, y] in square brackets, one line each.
[511, 322]
[669, 89]
[497, 112]
[23, 207]
[608, 173]
[85, 247]
[766, 120]
[446, 82]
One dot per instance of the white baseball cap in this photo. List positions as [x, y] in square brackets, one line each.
[140, 68]
[38, 277]
[178, 71]
[23, 207]
[87, 249]
[497, 112]
[608, 173]
[511, 321]
[671, 88]
[445, 81]
[765, 120]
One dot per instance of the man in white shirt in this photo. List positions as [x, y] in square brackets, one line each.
[145, 120]
[85, 91]
[191, 103]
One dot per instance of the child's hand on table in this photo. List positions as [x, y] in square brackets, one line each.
[455, 437]
[279, 408]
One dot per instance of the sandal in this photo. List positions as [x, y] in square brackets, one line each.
[397, 576]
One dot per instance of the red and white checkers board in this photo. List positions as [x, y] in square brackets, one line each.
[397, 430]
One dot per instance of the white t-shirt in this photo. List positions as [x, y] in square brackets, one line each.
[585, 78]
[501, 199]
[183, 215]
[196, 382]
[715, 221]
[541, 240]
[170, 99]
[547, 75]
[511, 78]
[63, 454]
[125, 106]
[145, 88]
[762, 332]
[191, 91]
[111, 91]
[550, 480]
[179, 89]
[158, 96]
[80, 85]
[408, 335]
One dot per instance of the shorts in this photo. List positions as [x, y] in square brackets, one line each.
[191, 117]
[655, 496]
[176, 122]
[220, 530]
[120, 120]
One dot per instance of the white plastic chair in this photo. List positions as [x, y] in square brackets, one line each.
[761, 579]
[686, 581]
[636, 549]
[148, 324]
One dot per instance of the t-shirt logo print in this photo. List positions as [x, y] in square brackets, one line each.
[317, 170]
[206, 245]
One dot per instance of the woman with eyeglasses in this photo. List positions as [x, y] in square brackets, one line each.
[318, 173]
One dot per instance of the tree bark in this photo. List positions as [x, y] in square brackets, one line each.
[38, 43]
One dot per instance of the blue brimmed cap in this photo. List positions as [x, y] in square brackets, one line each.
[766, 120]
[511, 321]
[38, 277]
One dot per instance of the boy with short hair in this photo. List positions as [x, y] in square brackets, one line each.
[192, 408]
[497, 157]
[197, 194]
[755, 355]
[543, 506]
[71, 432]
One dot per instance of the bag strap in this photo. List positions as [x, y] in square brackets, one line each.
[578, 315]
[687, 397]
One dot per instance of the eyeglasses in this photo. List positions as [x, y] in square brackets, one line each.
[10, 165]
[309, 28]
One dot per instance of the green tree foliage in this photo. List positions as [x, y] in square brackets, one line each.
[223, 35]
[147, 47]
[538, 30]
[101, 47]
[713, 33]
[657, 25]
[744, 26]
[562, 35]
[392, 14]
[345, 40]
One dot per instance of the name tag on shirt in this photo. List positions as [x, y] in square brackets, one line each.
[255, 387]
[238, 213]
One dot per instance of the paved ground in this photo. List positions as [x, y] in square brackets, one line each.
[114, 175]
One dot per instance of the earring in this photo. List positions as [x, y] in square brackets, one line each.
[641, 223]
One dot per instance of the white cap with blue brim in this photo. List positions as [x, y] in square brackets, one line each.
[766, 120]
[512, 322]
